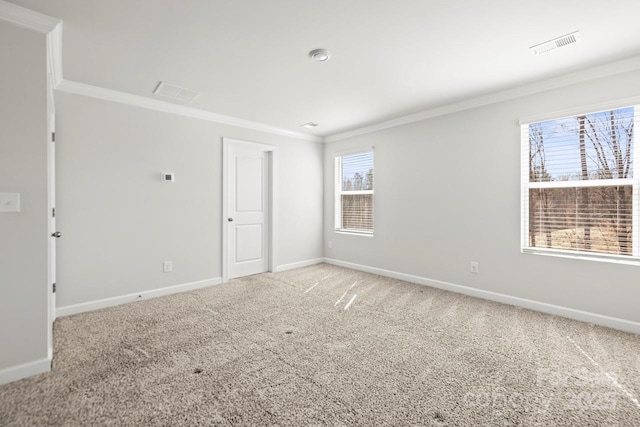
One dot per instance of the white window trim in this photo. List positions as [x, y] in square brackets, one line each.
[338, 192]
[353, 232]
[634, 259]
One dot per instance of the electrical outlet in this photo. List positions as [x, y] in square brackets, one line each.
[474, 267]
[330, 244]
[168, 266]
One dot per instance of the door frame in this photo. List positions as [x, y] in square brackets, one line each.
[51, 202]
[272, 192]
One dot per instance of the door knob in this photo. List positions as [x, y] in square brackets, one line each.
[230, 219]
[57, 234]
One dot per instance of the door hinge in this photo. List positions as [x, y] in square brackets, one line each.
[54, 288]
[53, 212]
[53, 137]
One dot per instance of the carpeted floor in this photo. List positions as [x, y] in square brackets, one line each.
[328, 345]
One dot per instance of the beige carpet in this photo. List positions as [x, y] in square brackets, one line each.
[328, 345]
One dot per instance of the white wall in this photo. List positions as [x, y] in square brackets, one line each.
[119, 222]
[448, 192]
[23, 169]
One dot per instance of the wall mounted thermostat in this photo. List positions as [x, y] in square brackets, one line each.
[169, 177]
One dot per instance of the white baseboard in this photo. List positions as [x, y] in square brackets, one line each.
[299, 264]
[18, 372]
[109, 302]
[583, 316]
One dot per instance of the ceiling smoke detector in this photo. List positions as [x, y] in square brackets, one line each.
[556, 43]
[320, 55]
[309, 125]
[176, 92]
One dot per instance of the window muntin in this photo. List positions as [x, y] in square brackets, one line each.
[580, 185]
[354, 192]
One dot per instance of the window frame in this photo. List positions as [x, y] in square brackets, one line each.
[338, 192]
[634, 182]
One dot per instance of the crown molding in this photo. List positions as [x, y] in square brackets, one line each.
[52, 29]
[610, 69]
[584, 109]
[78, 88]
[43, 24]
[26, 18]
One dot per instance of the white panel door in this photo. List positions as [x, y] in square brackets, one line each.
[248, 209]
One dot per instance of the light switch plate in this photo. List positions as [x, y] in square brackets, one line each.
[9, 202]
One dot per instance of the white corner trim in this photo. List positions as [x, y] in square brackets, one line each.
[299, 264]
[54, 54]
[110, 302]
[18, 372]
[78, 88]
[610, 69]
[583, 316]
[27, 18]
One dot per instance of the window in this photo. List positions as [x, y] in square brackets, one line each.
[580, 185]
[354, 192]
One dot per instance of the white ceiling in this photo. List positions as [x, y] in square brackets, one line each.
[390, 58]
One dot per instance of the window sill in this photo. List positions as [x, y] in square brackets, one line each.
[355, 233]
[612, 259]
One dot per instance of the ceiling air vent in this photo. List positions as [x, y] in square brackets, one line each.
[557, 43]
[176, 92]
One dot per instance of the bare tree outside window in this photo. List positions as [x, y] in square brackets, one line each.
[580, 190]
[354, 191]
